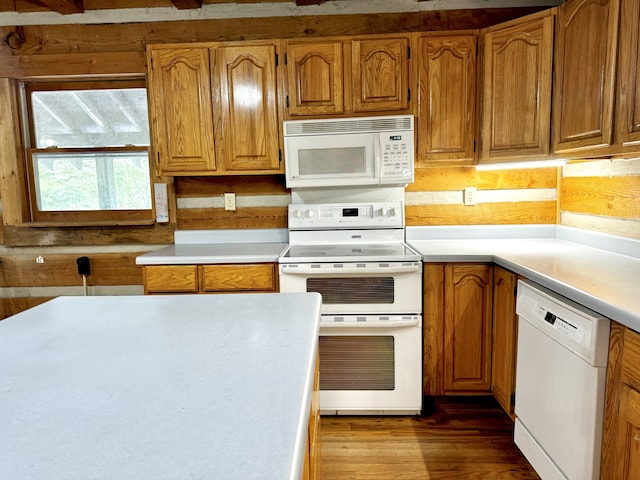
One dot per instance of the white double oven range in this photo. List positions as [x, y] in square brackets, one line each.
[347, 243]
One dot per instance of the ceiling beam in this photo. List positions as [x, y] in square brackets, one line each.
[184, 4]
[301, 3]
[63, 6]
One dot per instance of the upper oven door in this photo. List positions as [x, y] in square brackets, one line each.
[331, 160]
[366, 288]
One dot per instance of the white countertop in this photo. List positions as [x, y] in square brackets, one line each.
[158, 387]
[602, 280]
[220, 246]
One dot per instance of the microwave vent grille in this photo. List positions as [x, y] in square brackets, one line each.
[355, 125]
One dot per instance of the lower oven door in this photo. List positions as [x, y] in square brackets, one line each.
[371, 364]
[358, 288]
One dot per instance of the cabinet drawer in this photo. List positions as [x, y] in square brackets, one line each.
[171, 278]
[631, 359]
[245, 277]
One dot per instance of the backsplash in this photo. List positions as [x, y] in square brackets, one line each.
[601, 195]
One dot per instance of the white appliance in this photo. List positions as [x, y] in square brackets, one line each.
[354, 254]
[349, 151]
[560, 384]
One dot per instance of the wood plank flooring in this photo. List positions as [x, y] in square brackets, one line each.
[466, 438]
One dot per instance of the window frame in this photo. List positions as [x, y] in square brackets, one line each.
[79, 217]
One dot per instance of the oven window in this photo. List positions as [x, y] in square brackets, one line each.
[357, 363]
[350, 290]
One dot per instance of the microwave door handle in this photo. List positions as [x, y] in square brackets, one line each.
[377, 149]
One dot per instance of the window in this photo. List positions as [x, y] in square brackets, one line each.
[88, 155]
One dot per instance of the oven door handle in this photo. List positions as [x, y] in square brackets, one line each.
[390, 324]
[310, 271]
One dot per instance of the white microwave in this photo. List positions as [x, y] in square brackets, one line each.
[349, 151]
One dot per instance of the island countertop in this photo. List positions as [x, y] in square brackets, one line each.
[158, 387]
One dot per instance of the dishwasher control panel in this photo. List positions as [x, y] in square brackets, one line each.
[572, 331]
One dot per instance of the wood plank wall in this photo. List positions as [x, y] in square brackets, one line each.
[602, 195]
[515, 197]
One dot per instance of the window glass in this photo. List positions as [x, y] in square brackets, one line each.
[90, 118]
[92, 181]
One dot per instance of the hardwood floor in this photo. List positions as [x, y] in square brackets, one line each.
[466, 438]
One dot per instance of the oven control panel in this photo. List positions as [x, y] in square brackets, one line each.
[354, 215]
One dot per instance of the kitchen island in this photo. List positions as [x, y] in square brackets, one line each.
[158, 387]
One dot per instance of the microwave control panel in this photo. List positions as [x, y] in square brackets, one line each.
[396, 157]
[355, 215]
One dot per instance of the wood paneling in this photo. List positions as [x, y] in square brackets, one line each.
[464, 19]
[241, 185]
[437, 179]
[61, 269]
[132, 37]
[252, 217]
[12, 306]
[41, 236]
[511, 213]
[608, 196]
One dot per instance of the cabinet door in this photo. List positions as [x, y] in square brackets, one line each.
[503, 362]
[239, 278]
[628, 435]
[628, 96]
[170, 279]
[583, 93]
[181, 110]
[246, 108]
[467, 328]
[447, 75]
[315, 78]
[516, 88]
[380, 73]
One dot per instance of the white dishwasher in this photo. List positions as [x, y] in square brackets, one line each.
[560, 384]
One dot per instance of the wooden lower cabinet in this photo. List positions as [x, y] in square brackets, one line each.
[457, 332]
[621, 438]
[504, 339]
[217, 278]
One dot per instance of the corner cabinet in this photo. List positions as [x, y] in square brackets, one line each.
[215, 278]
[621, 438]
[447, 97]
[214, 108]
[584, 83]
[181, 109]
[517, 61]
[457, 333]
[348, 76]
[505, 338]
[627, 120]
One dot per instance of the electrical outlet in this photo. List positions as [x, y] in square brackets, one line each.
[39, 259]
[229, 201]
[469, 196]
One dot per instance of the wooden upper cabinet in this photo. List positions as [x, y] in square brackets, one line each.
[517, 60]
[181, 110]
[315, 76]
[628, 93]
[247, 121]
[447, 89]
[583, 96]
[380, 74]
